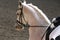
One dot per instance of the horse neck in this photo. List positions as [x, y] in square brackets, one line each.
[35, 16]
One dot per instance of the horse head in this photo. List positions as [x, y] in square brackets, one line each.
[29, 15]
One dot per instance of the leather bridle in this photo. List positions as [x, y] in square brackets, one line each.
[21, 17]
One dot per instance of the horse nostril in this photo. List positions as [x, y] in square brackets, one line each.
[52, 39]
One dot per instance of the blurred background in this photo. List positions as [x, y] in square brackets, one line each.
[8, 17]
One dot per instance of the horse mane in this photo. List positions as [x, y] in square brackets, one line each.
[40, 12]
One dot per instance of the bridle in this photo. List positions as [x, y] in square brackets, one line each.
[21, 17]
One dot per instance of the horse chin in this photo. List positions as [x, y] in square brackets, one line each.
[19, 28]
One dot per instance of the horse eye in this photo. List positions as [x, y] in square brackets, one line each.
[52, 39]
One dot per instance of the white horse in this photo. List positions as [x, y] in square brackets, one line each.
[34, 16]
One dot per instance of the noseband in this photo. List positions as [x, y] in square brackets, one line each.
[21, 16]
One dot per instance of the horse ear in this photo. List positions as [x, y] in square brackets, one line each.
[24, 1]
